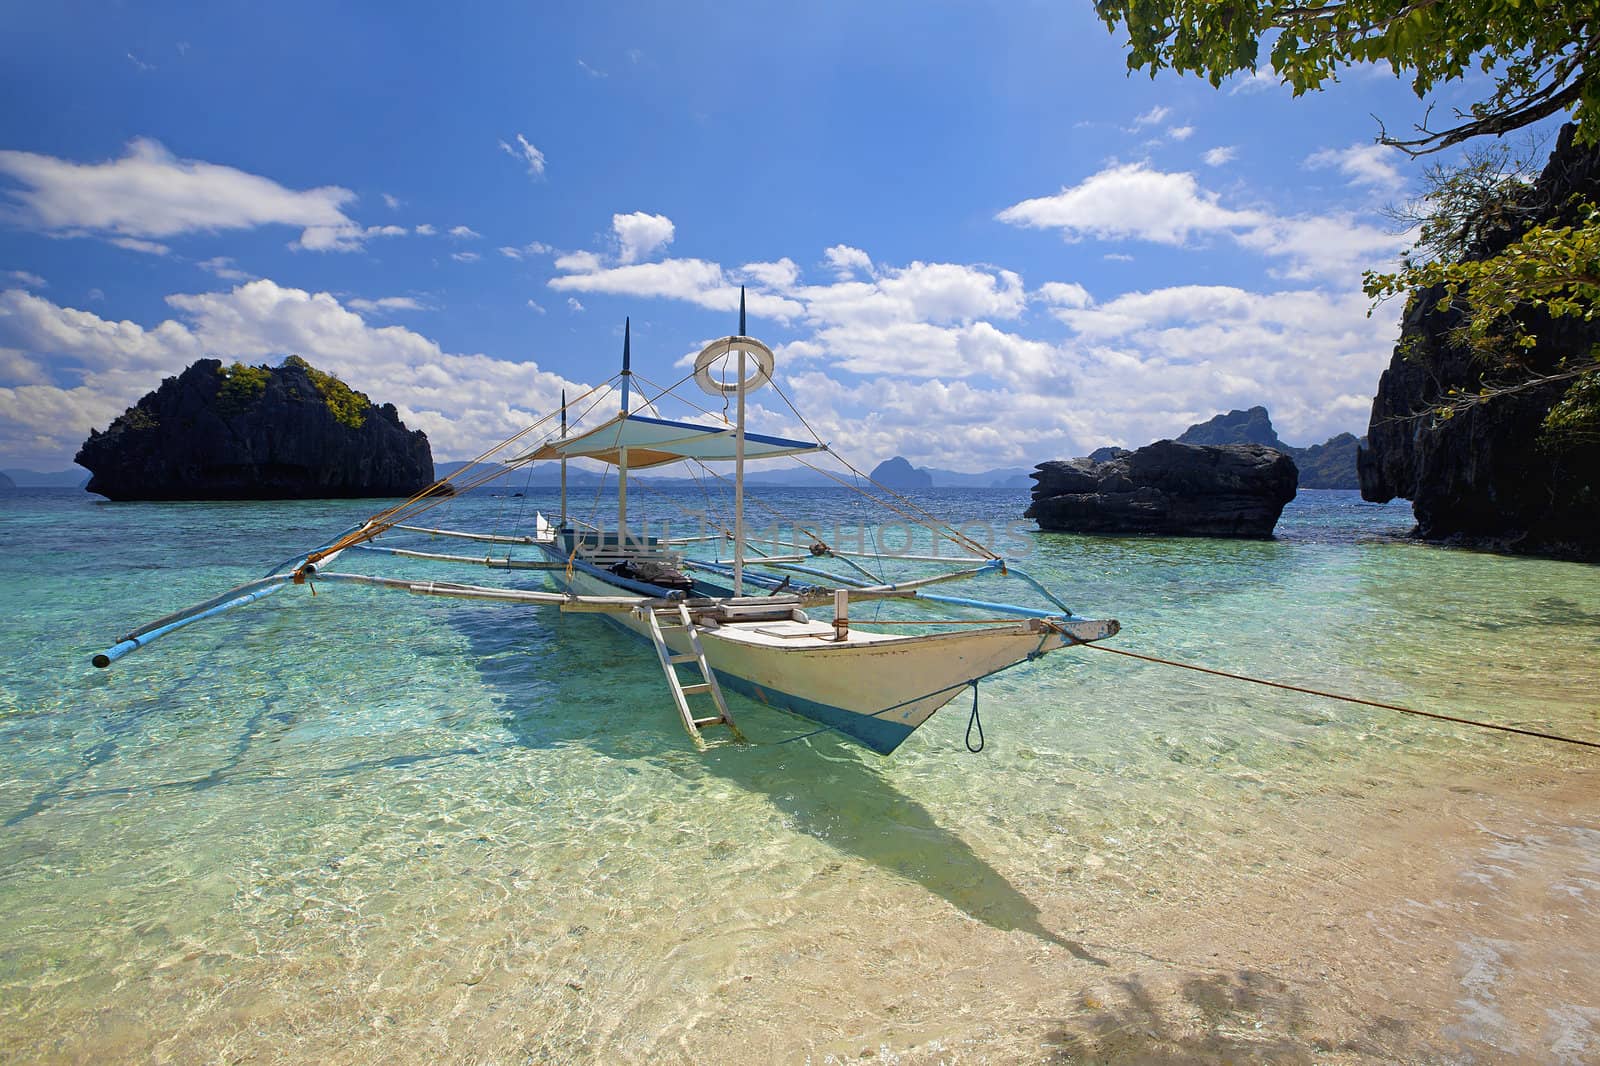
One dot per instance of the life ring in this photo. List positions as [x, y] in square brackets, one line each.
[760, 353]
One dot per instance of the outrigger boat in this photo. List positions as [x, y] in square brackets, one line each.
[773, 623]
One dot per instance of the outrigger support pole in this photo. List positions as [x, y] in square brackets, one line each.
[622, 453]
[563, 460]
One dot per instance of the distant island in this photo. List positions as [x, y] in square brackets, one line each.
[1329, 465]
[256, 433]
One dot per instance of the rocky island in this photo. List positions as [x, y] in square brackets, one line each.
[256, 433]
[1198, 490]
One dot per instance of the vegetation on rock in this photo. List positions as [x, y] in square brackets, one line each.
[349, 407]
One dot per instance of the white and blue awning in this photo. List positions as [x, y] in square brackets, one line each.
[657, 441]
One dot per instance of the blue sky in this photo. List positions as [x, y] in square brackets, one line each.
[971, 237]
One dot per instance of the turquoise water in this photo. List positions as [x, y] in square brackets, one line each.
[359, 824]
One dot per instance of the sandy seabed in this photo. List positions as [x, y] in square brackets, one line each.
[1423, 923]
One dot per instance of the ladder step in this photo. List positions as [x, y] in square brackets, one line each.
[701, 723]
[682, 658]
[689, 690]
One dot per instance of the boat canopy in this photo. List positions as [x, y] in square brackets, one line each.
[656, 441]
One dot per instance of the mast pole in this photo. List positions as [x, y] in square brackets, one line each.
[738, 468]
[622, 453]
[563, 460]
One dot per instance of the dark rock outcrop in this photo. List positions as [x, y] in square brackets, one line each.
[1491, 476]
[898, 473]
[253, 433]
[1235, 490]
[1329, 465]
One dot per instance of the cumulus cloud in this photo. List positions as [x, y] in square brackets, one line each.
[464, 257]
[847, 261]
[464, 232]
[1215, 157]
[463, 402]
[1180, 133]
[1131, 200]
[150, 193]
[526, 154]
[1372, 165]
[391, 201]
[27, 279]
[425, 230]
[639, 235]
[779, 276]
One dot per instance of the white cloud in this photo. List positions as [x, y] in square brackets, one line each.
[847, 261]
[425, 230]
[28, 279]
[527, 154]
[1180, 133]
[693, 280]
[464, 402]
[582, 262]
[1131, 200]
[385, 304]
[591, 71]
[1065, 294]
[150, 193]
[1372, 165]
[464, 257]
[1215, 157]
[1152, 116]
[572, 302]
[536, 306]
[531, 248]
[1134, 201]
[639, 234]
[134, 244]
[223, 267]
[780, 276]
[1257, 81]
[1117, 257]
[464, 232]
[393, 202]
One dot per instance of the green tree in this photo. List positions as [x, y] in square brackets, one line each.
[1542, 56]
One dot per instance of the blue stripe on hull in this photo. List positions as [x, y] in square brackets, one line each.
[879, 734]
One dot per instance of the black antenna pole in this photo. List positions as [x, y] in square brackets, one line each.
[627, 374]
[563, 412]
[741, 311]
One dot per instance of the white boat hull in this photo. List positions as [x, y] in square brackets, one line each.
[874, 687]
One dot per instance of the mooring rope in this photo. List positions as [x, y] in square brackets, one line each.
[1349, 699]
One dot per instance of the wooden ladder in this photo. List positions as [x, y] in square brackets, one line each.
[678, 619]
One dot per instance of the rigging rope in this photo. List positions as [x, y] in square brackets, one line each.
[1348, 699]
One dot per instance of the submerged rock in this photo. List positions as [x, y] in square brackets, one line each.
[1235, 490]
[254, 433]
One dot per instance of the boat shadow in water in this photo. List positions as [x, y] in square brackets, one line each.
[824, 786]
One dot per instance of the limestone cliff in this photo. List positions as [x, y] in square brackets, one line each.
[1490, 476]
[254, 433]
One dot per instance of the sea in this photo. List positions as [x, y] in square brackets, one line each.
[353, 825]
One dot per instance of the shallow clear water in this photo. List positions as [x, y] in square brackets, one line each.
[361, 824]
